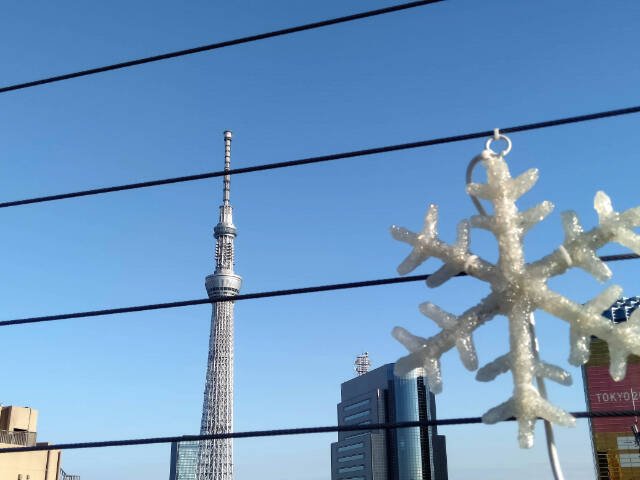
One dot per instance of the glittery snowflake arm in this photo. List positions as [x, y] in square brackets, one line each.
[587, 320]
[456, 331]
[517, 290]
[427, 244]
[579, 247]
[503, 363]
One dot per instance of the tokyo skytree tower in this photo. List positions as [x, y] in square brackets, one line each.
[215, 457]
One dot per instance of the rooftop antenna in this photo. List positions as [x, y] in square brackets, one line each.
[362, 364]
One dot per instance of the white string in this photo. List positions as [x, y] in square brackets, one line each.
[554, 460]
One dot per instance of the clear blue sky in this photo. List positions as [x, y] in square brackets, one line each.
[444, 69]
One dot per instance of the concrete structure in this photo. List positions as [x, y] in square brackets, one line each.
[414, 453]
[18, 429]
[215, 458]
[66, 476]
[615, 447]
[184, 458]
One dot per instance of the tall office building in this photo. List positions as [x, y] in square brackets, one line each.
[615, 440]
[215, 458]
[378, 396]
[184, 458]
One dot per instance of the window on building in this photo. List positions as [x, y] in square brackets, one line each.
[354, 435]
[353, 446]
[351, 469]
[348, 408]
[629, 460]
[366, 413]
[350, 458]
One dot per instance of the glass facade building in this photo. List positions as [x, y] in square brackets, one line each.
[184, 457]
[414, 453]
[409, 442]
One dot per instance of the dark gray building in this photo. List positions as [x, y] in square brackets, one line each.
[414, 453]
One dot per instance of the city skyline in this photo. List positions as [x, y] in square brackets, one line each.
[446, 69]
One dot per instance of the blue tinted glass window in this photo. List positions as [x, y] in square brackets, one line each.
[366, 413]
[356, 405]
[356, 435]
[187, 460]
[357, 456]
[350, 469]
[353, 446]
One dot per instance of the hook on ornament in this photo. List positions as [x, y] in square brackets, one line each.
[486, 153]
[498, 136]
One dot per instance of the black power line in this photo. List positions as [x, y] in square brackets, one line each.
[293, 431]
[250, 296]
[326, 158]
[215, 46]
[620, 256]
[222, 298]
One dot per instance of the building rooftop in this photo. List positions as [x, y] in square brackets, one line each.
[18, 419]
[622, 309]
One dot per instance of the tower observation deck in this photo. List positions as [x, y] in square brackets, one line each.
[215, 457]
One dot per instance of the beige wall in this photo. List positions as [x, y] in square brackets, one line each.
[43, 465]
[18, 418]
[38, 465]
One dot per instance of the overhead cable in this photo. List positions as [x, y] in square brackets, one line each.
[293, 431]
[325, 158]
[249, 296]
[218, 45]
[221, 298]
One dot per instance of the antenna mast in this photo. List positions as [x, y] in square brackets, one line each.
[362, 364]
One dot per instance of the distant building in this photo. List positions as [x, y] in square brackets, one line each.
[18, 429]
[616, 450]
[414, 453]
[184, 458]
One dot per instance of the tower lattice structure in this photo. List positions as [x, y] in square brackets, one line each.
[215, 457]
[362, 365]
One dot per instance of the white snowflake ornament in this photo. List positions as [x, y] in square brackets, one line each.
[517, 290]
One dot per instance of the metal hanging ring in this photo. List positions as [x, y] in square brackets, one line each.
[499, 136]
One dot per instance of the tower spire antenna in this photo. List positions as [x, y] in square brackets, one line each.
[227, 166]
